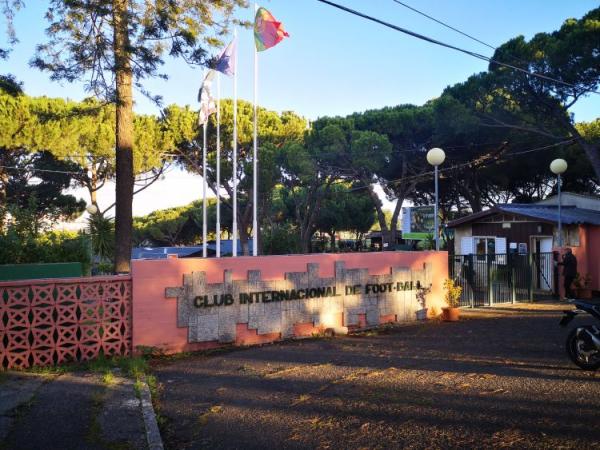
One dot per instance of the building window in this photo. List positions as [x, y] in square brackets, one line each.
[570, 236]
[484, 246]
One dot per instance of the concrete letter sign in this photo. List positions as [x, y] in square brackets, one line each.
[353, 298]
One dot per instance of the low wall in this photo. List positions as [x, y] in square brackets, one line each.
[52, 321]
[193, 304]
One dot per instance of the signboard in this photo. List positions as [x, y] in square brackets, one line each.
[211, 311]
[417, 222]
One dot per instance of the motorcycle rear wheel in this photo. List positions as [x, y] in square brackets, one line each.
[574, 346]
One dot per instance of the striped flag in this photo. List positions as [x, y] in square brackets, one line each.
[267, 31]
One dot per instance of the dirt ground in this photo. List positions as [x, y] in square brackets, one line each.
[497, 379]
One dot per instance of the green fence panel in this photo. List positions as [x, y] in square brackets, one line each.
[11, 272]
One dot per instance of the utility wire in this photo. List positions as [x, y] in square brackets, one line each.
[459, 31]
[469, 163]
[452, 47]
[445, 24]
[24, 169]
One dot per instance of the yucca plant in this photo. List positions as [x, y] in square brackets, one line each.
[102, 231]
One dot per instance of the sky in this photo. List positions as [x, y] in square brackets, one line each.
[332, 64]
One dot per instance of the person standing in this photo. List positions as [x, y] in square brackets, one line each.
[569, 264]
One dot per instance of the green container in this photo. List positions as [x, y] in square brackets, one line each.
[12, 272]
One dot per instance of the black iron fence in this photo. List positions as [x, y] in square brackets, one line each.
[502, 278]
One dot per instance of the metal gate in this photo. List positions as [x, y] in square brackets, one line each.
[502, 278]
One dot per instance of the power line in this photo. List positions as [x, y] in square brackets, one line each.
[24, 169]
[452, 47]
[445, 24]
[469, 163]
[458, 31]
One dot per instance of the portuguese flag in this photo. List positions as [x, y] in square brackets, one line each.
[267, 31]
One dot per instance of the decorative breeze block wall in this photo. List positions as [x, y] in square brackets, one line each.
[45, 322]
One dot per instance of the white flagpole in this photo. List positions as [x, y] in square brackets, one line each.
[204, 185]
[234, 171]
[218, 164]
[255, 158]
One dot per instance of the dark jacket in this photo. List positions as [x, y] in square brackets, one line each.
[570, 265]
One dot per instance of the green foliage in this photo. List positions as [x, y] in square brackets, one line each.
[102, 231]
[51, 247]
[165, 227]
[180, 225]
[82, 35]
[80, 132]
[508, 99]
[36, 185]
[281, 239]
[347, 210]
[277, 132]
[10, 85]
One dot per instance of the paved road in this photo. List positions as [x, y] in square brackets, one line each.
[69, 411]
[493, 381]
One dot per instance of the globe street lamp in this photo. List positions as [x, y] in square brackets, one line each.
[558, 167]
[92, 209]
[435, 157]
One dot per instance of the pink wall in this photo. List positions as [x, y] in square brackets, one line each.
[593, 255]
[587, 254]
[154, 316]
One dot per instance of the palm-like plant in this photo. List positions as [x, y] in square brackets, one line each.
[102, 232]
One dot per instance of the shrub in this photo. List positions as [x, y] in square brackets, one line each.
[452, 293]
[51, 247]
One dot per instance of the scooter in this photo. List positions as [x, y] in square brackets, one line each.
[583, 343]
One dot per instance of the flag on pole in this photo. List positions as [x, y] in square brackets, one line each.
[267, 31]
[207, 102]
[226, 61]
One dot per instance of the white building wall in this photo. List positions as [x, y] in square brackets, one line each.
[459, 233]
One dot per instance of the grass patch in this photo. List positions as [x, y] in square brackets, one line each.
[135, 368]
[137, 388]
[109, 378]
[50, 370]
[101, 364]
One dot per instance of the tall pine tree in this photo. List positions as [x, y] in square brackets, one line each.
[113, 45]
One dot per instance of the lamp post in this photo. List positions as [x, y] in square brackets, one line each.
[558, 167]
[435, 157]
[92, 210]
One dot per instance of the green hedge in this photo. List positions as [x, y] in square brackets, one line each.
[51, 247]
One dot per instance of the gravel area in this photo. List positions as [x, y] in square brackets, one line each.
[497, 379]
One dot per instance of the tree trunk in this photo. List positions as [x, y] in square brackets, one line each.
[124, 138]
[3, 202]
[306, 239]
[395, 215]
[243, 234]
[307, 213]
[380, 214]
[243, 226]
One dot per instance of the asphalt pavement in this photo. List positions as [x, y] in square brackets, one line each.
[497, 379]
[69, 411]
